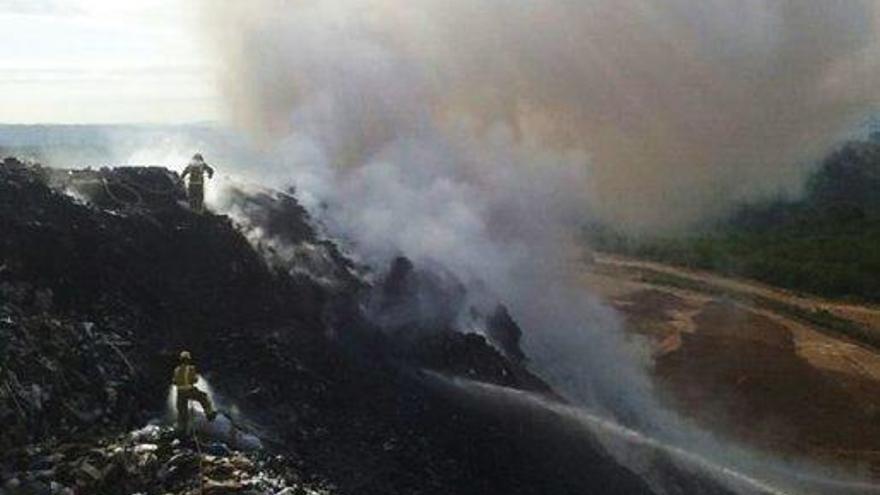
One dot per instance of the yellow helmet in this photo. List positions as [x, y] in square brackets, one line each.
[185, 356]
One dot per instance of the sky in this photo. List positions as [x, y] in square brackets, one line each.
[104, 61]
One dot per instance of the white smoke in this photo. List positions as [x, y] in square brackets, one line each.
[497, 208]
[498, 215]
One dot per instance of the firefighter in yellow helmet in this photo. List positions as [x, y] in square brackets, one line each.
[195, 189]
[185, 378]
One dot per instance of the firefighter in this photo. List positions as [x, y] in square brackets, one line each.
[185, 378]
[195, 190]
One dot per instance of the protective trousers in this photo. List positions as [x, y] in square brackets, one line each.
[196, 194]
[184, 396]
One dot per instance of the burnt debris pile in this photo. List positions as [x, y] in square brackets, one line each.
[105, 275]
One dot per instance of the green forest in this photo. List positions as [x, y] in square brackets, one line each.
[827, 242]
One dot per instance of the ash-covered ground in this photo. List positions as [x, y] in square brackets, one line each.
[105, 275]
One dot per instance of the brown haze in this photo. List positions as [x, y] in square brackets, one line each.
[684, 106]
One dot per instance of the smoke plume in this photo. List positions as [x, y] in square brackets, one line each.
[678, 109]
[480, 134]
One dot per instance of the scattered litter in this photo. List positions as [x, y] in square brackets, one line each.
[168, 466]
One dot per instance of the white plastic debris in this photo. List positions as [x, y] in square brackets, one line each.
[145, 448]
[147, 433]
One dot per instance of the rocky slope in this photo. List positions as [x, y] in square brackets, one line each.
[105, 275]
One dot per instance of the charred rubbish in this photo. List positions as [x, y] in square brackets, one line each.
[99, 294]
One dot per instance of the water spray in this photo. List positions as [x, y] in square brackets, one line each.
[225, 427]
[756, 477]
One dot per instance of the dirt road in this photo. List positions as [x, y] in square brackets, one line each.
[783, 371]
[863, 315]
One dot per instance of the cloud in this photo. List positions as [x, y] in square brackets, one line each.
[98, 61]
[38, 7]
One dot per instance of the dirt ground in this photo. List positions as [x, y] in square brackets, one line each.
[735, 357]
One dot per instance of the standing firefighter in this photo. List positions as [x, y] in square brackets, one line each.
[195, 190]
[185, 378]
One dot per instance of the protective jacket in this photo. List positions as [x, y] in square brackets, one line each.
[185, 377]
[196, 171]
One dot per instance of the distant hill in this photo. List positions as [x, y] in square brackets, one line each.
[826, 242]
[98, 145]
